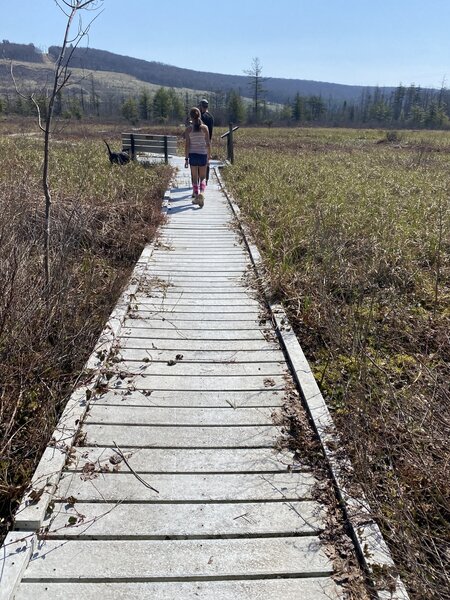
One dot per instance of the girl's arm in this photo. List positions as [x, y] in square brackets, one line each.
[208, 141]
[186, 143]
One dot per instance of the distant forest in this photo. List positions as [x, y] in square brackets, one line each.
[247, 99]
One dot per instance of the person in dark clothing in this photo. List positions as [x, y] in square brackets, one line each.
[208, 120]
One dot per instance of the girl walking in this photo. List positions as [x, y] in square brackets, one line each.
[197, 155]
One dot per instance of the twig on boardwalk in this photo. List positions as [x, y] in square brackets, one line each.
[122, 456]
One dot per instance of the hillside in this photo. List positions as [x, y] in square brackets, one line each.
[278, 90]
[151, 72]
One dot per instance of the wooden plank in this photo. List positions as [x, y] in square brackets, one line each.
[15, 554]
[204, 356]
[180, 437]
[179, 259]
[97, 486]
[166, 322]
[219, 399]
[202, 276]
[196, 297]
[144, 312]
[198, 305]
[232, 347]
[147, 560]
[184, 521]
[198, 383]
[181, 368]
[194, 270]
[151, 415]
[190, 288]
[192, 334]
[152, 147]
[259, 589]
[196, 311]
[187, 460]
[148, 135]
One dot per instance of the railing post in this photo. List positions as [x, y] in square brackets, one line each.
[230, 148]
[166, 153]
[133, 151]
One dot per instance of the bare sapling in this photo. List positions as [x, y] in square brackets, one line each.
[62, 74]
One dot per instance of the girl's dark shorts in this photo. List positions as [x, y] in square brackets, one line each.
[198, 160]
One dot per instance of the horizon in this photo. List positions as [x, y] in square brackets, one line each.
[362, 45]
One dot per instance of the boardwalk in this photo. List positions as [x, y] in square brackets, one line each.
[205, 505]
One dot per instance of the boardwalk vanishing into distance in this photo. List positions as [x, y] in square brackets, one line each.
[179, 485]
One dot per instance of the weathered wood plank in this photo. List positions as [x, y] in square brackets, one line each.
[193, 399]
[187, 460]
[181, 437]
[266, 589]
[230, 347]
[144, 312]
[199, 383]
[184, 521]
[150, 292]
[150, 415]
[196, 325]
[97, 486]
[178, 261]
[196, 307]
[142, 560]
[15, 553]
[191, 334]
[180, 368]
[205, 356]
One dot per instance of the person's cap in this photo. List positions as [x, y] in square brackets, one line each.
[204, 103]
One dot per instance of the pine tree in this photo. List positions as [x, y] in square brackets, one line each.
[145, 105]
[235, 108]
[256, 81]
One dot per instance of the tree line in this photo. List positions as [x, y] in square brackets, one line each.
[405, 107]
[408, 107]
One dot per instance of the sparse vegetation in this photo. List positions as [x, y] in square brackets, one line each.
[102, 217]
[355, 237]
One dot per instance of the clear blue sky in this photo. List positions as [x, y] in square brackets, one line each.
[361, 42]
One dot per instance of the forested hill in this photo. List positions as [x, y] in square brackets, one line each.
[278, 90]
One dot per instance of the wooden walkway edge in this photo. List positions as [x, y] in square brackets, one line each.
[177, 484]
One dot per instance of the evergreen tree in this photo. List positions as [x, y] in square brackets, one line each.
[286, 112]
[298, 108]
[145, 105]
[397, 102]
[416, 116]
[316, 107]
[235, 108]
[130, 110]
[176, 106]
[162, 105]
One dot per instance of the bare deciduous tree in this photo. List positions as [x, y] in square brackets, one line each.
[256, 85]
[70, 8]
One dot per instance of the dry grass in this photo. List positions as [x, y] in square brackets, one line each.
[355, 235]
[102, 217]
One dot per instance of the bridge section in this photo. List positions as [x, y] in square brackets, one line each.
[181, 483]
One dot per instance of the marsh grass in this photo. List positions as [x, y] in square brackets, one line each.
[102, 216]
[355, 235]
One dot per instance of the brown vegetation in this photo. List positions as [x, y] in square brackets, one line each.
[355, 236]
[102, 217]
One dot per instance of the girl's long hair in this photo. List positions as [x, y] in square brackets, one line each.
[196, 118]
